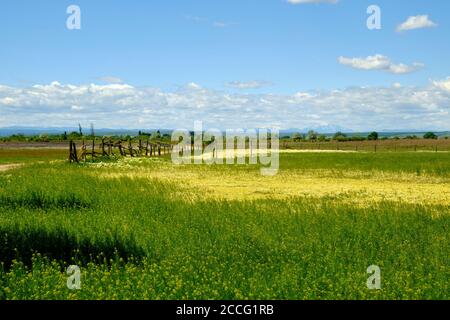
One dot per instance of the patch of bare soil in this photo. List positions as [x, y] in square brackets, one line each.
[6, 167]
[31, 145]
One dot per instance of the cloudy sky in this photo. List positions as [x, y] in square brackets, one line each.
[230, 63]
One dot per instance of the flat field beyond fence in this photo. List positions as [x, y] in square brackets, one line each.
[147, 229]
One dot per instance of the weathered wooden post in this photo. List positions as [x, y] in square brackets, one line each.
[73, 157]
[83, 151]
[103, 147]
[130, 148]
[120, 148]
[74, 148]
[110, 147]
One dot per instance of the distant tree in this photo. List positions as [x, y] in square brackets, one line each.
[297, 137]
[80, 130]
[357, 138]
[373, 136]
[312, 135]
[74, 135]
[65, 135]
[430, 135]
[322, 138]
[339, 134]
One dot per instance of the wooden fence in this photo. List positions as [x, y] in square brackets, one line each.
[113, 148]
[390, 145]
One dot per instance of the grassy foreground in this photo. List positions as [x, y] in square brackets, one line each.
[145, 229]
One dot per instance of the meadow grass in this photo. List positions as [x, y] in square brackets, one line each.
[146, 229]
[28, 155]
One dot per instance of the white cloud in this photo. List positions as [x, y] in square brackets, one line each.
[416, 22]
[255, 84]
[76, 108]
[381, 63]
[193, 85]
[7, 101]
[311, 1]
[125, 106]
[443, 84]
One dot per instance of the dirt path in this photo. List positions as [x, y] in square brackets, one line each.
[6, 167]
[33, 145]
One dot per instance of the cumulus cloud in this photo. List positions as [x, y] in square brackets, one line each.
[443, 85]
[126, 106]
[311, 1]
[416, 22]
[381, 63]
[255, 84]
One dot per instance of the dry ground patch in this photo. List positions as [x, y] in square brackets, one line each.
[358, 187]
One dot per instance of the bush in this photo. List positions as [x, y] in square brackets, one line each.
[340, 136]
[430, 135]
[373, 136]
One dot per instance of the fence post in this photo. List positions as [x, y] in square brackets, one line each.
[103, 147]
[74, 148]
[93, 149]
[130, 148]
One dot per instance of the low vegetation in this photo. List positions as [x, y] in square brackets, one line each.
[146, 229]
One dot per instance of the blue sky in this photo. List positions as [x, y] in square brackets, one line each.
[259, 54]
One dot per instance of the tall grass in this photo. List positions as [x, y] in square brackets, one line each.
[148, 239]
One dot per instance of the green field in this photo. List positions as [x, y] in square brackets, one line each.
[26, 155]
[146, 229]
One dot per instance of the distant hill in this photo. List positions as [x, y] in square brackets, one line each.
[327, 130]
[30, 131]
